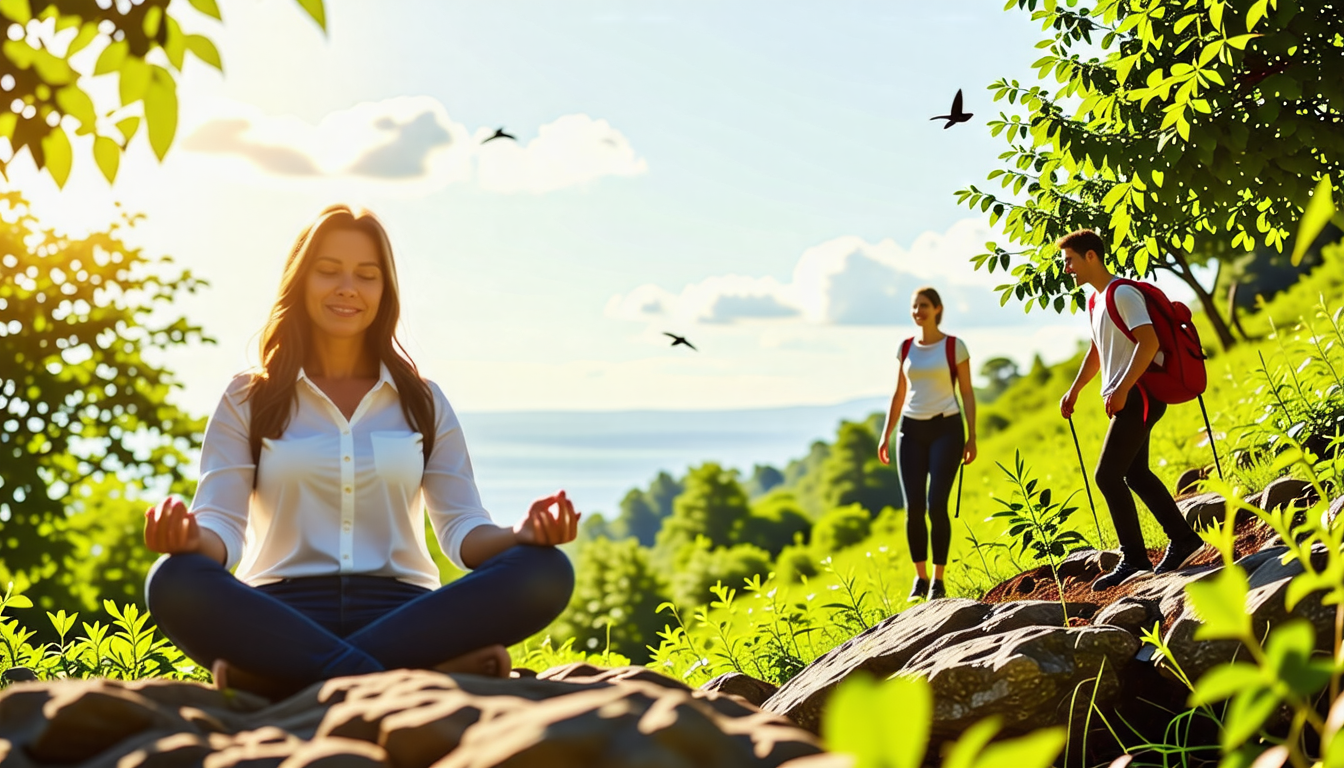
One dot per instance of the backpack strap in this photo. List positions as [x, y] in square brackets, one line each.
[1114, 311]
[905, 348]
[951, 347]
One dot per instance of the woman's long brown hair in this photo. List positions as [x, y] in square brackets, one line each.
[286, 338]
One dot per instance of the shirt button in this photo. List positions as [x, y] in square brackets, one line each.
[348, 489]
[345, 431]
[345, 526]
[345, 557]
[347, 458]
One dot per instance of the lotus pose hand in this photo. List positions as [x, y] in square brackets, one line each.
[170, 529]
[545, 528]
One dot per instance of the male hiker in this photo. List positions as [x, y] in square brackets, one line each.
[1123, 464]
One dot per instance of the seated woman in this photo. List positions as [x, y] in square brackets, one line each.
[315, 474]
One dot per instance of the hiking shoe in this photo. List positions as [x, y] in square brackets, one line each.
[1121, 573]
[936, 590]
[1178, 552]
[920, 590]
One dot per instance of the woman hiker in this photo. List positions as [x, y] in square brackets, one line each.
[316, 472]
[932, 443]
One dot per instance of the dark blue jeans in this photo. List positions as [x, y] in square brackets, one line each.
[315, 628]
[929, 453]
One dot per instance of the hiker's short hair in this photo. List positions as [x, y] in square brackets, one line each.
[1081, 241]
[929, 293]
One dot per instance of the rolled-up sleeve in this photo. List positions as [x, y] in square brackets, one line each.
[451, 496]
[227, 471]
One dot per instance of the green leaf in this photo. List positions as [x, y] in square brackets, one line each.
[972, 743]
[1288, 653]
[860, 701]
[1226, 681]
[1220, 601]
[87, 34]
[152, 21]
[1246, 715]
[77, 104]
[1255, 14]
[161, 111]
[315, 9]
[108, 156]
[201, 47]
[112, 57]
[175, 45]
[134, 80]
[17, 11]
[56, 150]
[208, 7]
[1318, 213]
[128, 127]
[1037, 749]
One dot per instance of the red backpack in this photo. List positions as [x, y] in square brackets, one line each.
[1181, 377]
[951, 347]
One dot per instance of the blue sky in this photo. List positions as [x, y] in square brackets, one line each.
[759, 176]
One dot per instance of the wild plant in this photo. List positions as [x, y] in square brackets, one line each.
[131, 652]
[1036, 523]
[545, 655]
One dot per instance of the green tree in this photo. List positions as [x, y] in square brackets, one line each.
[1000, 372]
[853, 474]
[615, 590]
[638, 518]
[712, 505]
[80, 399]
[775, 521]
[142, 45]
[703, 567]
[841, 527]
[1177, 124]
[764, 478]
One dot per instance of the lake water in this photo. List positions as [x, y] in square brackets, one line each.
[598, 456]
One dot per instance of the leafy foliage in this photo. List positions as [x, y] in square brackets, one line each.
[1175, 122]
[616, 596]
[82, 401]
[141, 43]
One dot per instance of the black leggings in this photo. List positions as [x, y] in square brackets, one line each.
[1123, 466]
[929, 454]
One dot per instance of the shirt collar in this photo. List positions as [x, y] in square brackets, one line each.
[384, 377]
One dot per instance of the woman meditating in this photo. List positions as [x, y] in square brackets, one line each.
[315, 476]
[932, 443]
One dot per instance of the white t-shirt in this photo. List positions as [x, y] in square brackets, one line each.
[336, 497]
[1114, 349]
[929, 390]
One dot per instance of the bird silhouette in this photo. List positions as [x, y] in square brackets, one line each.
[679, 340]
[957, 115]
[500, 134]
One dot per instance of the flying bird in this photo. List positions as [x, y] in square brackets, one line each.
[500, 134]
[957, 115]
[679, 340]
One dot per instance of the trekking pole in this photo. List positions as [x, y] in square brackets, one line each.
[1208, 429]
[960, 472]
[1086, 485]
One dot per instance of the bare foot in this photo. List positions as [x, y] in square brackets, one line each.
[227, 676]
[491, 661]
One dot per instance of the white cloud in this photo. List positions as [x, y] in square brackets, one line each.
[413, 141]
[845, 281]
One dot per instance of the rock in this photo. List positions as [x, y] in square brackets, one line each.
[572, 716]
[18, 675]
[1202, 509]
[1079, 567]
[1280, 493]
[748, 688]
[1131, 614]
[1266, 605]
[1004, 618]
[1188, 483]
[879, 651]
[1027, 676]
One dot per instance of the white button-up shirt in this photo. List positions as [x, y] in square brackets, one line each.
[334, 496]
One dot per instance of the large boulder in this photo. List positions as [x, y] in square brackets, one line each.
[403, 718]
[878, 651]
[751, 690]
[1027, 676]
[1004, 618]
